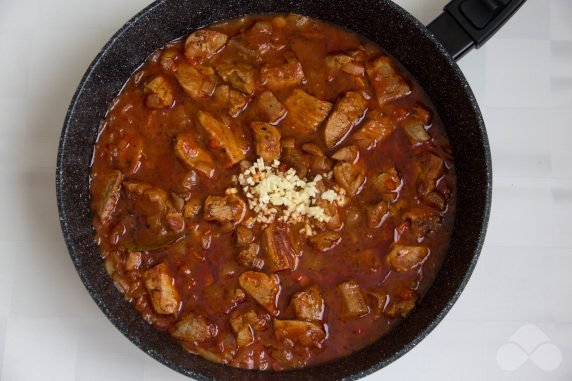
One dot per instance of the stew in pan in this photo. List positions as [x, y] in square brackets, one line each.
[274, 192]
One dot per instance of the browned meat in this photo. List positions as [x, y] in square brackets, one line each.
[332, 210]
[377, 301]
[240, 76]
[313, 149]
[249, 257]
[354, 302]
[386, 82]
[336, 62]
[349, 177]
[349, 153]
[244, 235]
[415, 131]
[194, 328]
[198, 81]
[279, 248]
[168, 59]
[161, 287]
[404, 258]
[134, 261]
[294, 158]
[280, 76]
[347, 113]
[401, 308]
[308, 304]
[430, 168]
[376, 214]
[305, 112]
[246, 323]
[224, 209]
[160, 93]
[303, 333]
[188, 151]
[192, 207]
[269, 107]
[227, 148]
[435, 200]
[375, 130]
[203, 44]
[423, 221]
[325, 241]
[233, 100]
[110, 195]
[263, 288]
[267, 140]
[387, 182]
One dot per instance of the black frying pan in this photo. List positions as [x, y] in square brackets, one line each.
[463, 25]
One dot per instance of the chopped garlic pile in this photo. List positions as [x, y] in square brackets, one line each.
[283, 196]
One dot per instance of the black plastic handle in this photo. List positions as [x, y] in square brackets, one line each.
[467, 24]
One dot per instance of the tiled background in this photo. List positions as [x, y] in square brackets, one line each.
[51, 330]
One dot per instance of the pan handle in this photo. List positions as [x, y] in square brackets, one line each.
[467, 24]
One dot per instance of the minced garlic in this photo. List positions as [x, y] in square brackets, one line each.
[282, 196]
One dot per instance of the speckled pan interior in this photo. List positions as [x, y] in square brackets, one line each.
[379, 20]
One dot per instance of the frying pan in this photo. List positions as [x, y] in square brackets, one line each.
[428, 53]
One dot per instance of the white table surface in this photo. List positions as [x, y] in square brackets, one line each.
[514, 320]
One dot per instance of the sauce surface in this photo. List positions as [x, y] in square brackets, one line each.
[179, 161]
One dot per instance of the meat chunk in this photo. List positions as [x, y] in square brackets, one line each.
[349, 154]
[303, 333]
[188, 151]
[400, 308]
[349, 177]
[375, 130]
[404, 258]
[249, 257]
[313, 149]
[161, 287]
[194, 328]
[245, 324]
[347, 113]
[305, 112]
[198, 82]
[269, 107]
[203, 44]
[284, 75]
[279, 248]
[308, 304]
[354, 302]
[376, 214]
[192, 207]
[387, 83]
[388, 182]
[435, 200]
[377, 301]
[422, 220]
[160, 93]
[243, 235]
[267, 140]
[239, 76]
[233, 100]
[110, 195]
[294, 158]
[415, 131]
[325, 241]
[224, 209]
[263, 288]
[221, 137]
[134, 260]
[430, 168]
